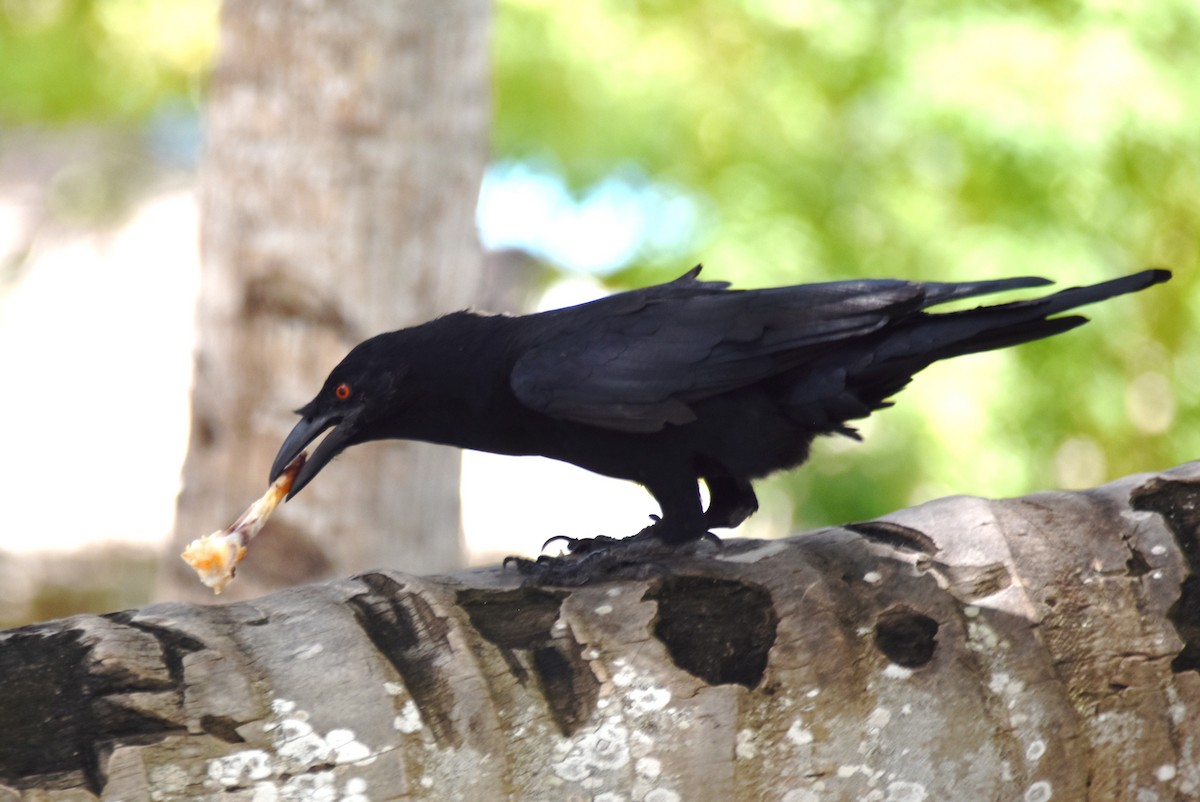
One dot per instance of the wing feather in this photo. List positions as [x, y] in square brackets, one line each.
[636, 361]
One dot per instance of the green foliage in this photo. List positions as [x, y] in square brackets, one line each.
[831, 139]
[73, 60]
[840, 138]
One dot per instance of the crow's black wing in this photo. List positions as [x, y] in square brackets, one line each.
[635, 361]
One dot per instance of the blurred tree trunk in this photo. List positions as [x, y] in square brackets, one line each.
[1035, 648]
[346, 144]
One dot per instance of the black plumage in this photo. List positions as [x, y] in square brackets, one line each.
[671, 384]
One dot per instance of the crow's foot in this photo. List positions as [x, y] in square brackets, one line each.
[584, 545]
[574, 571]
[601, 558]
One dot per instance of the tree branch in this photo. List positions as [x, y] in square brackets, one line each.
[1045, 647]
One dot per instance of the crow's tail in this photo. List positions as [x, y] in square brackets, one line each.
[930, 337]
[989, 327]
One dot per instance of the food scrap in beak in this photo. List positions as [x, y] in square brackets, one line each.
[215, 557]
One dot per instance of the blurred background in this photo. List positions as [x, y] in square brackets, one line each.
[777, 142]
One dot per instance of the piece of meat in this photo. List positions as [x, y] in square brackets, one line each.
[215, 557]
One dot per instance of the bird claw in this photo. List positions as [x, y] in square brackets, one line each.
[603, 558]
[570, 541]
[523, 563]
[575, 571]
[583, 545]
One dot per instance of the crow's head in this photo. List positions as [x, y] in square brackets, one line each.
[363, 386]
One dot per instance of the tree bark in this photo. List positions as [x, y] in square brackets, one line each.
[346, 145]
[1037, 648]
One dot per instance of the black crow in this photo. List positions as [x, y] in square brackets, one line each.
[670, 384]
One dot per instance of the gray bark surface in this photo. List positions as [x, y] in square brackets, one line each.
[346, 142]
[1038, 648]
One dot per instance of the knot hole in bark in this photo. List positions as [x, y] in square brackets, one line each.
[718, 630]
[1179, 505]
[897, 536]
[521, 624]
[906, 637]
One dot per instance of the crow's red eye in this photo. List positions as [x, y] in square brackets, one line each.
[342, 391]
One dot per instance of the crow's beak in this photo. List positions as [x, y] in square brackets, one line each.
[304, 432]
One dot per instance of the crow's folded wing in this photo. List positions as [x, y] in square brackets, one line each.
[636, 361]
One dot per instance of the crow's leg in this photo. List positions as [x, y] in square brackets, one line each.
[682, 513]
[682, 519]
[682, 524]
[731, 501]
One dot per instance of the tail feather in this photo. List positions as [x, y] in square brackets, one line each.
[939, 293]
[1074, 297]
[989, 327]
[991, 338]
[936, 336]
